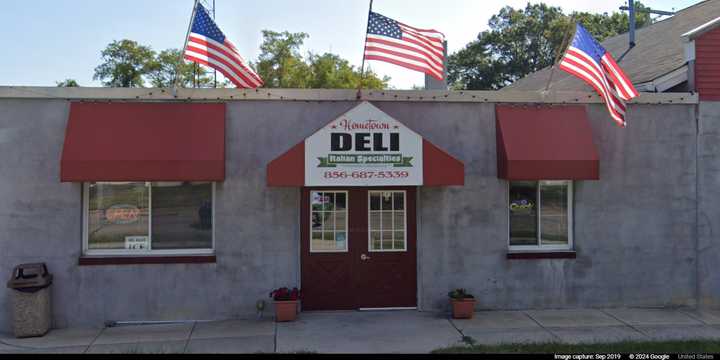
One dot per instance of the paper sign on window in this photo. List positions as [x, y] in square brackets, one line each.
[137, 243]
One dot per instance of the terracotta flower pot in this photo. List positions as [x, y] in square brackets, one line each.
[463, 309]
[286, 311]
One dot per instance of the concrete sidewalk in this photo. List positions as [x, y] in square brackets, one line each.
[378, 332]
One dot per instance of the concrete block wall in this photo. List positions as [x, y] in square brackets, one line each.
[635, 230]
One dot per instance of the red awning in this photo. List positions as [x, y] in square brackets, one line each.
[144, 142]
[545, 143]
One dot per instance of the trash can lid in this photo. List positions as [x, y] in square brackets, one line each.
[30, 276]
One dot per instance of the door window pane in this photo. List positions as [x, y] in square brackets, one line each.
[376, 240]
[387, 240]
[554, 213]
[328, 221]
[375, 201]
[399, 220]
[523, 213]
[387, 200]
[386, 221]
[118, 216]
[399, 201]
[340, 221]
[316, 221]
[329, 202]
[316, 201]
[317, 236]
[375, 220]
[399, 239]
[182, 216]
[340, 239]
[340, 201]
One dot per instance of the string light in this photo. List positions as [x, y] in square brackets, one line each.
[531, 98]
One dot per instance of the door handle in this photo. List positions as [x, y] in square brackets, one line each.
[364, 257]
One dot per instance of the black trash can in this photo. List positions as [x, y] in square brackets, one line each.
[30, 284]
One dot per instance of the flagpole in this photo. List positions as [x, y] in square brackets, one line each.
[182, 53]
[362, 67]
[563, 47]
[214, 70]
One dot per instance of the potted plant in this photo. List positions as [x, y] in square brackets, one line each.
[286, 303]
[463, 304]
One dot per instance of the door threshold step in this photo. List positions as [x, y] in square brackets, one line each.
[388, 309]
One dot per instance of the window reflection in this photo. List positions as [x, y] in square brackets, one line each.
[540, 213]
[554, 213]
[328, 221]
[523, 213]
[386, 220]
[118, 216]
[181, 216]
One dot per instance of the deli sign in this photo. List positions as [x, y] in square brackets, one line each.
[364, 147]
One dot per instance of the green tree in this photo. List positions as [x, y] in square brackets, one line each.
[67, 83]
[125, 63]
[330, 71]
[372, 81]
[281, 65]
[522, 41]
[169, 66]
[129, 64]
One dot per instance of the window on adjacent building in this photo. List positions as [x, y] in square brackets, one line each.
[138, 218]
[387, 223]
[540, 215]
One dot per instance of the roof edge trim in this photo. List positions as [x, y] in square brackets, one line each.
[700, 30]
[666, 81]
[226, 95]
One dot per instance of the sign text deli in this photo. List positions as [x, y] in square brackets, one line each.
[364, 147]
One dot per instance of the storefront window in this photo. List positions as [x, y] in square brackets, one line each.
[118, 216]
[554, 213]
[540, 215]
[387, 225]
[328, 221]
[149, 218]
[523, 214]
[182, 216]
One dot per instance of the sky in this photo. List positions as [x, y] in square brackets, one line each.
[46, 41]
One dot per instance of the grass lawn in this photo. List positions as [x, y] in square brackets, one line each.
[659, 347]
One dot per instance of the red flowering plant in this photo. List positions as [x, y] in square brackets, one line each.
[285, 294]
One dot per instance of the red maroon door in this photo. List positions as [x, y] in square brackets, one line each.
[358, 248]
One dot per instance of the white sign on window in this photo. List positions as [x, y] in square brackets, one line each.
[364, 147]
[137, 243]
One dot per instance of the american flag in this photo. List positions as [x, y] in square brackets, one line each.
[208, 45]
[416, 49]
[588, 60]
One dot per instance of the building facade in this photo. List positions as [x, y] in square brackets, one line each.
[147, 206]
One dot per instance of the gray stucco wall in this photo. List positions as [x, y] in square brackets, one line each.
[709, 211]
[635, 230]
[256, 234]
